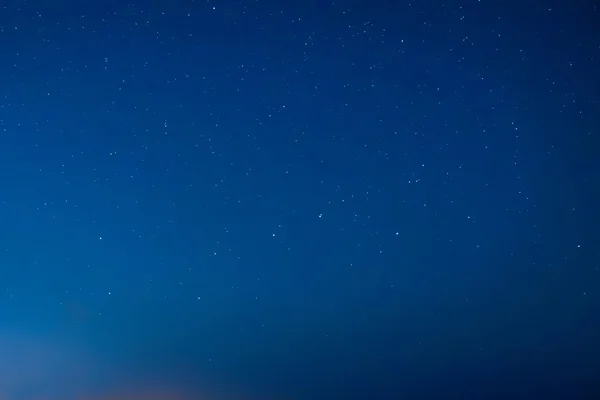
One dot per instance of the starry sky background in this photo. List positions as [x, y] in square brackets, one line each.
[299, 199]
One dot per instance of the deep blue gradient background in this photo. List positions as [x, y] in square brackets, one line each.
[300, 200]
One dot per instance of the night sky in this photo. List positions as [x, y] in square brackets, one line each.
[299, 200]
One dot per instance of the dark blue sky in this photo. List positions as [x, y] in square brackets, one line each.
[299, 199]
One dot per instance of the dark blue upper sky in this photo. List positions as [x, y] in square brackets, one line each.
[304, 199]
